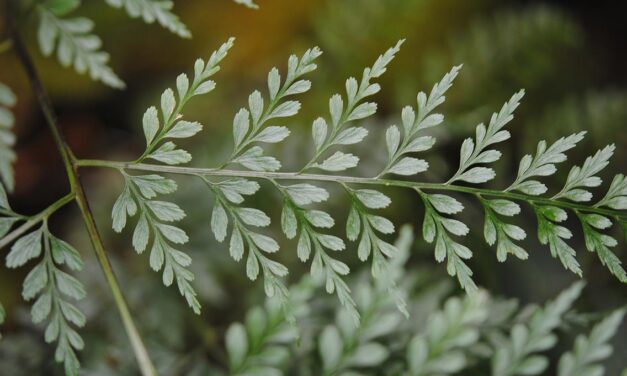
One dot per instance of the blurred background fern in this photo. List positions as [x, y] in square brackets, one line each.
[569, 57]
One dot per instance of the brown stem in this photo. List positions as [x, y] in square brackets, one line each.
[76, 186]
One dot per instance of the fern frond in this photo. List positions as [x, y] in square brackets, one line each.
[590, 350]
[249, 125]
[519, 355]
[154, 10]
[52, 287]
[473, 153]
[166, 123]
[413, 124]
[74, 43]
[140, 191]
[341, 116]
[436, 226]
[312, 239]
[154, 218]
[363, 225]
[228, 195]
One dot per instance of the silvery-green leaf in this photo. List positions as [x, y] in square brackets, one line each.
[351, 88]
[168, 154]
[336, 106]
[409, 166]
[286, 109]
[504, 207]
[381, 224]
[420, 144]
[532, 187]
[233, 189]
[364, 248]
[182, 85]
[252, 266]
[253, 217]
[408, 117]
[445, 204]
[166, 211]
[392, 140]
[123, 205]
[338, 162]
[35, 281]
[288, 222]
[151, 124]
[255, 104]
[467, 148]
[372, 199]
[151, 185]
[319, 132]
[477, 175]
[350, 136]
[26, 248]
[167, 103]
[173, 234]
[304, 194]
[236, 245]
[319, 218]
[431, 121]
[304, 247]
[274, 82]
[265, 243]
[64, 253]
[584, 176]
[331, 242]
[298, 87]
[380, 66]
[241, 124]
[353, 224]
[69, 285]
[205, 88]
[141, 234]
[488, 156]
[184, 129]
[363, 111]
[272, 134]
[219, 222]
[254, 159]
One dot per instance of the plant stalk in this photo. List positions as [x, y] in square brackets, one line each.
[77, 190]
[348, 180]
[34, 220]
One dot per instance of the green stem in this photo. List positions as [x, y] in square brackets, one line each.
[350, 180]
[69, 161]
[34, 220]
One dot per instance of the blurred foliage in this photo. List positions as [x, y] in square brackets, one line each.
[558, 53]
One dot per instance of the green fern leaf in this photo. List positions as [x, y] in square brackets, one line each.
[75, 45]
[154, 10]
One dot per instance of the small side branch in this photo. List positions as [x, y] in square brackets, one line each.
[34, 220]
